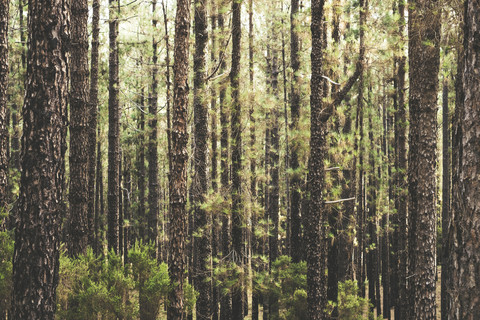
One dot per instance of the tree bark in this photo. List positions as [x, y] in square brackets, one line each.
[81, 219]
[467, 214]
[113, 128]
[152, 152]
[40, 203]
[4, 14]
[92, 113]
[200, 183]
[424, 55]
[236, 137]
[178, 173]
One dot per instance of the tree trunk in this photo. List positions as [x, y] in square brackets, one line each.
[99, 206]
[468, 215]
[113, 128]
[127, 193]
[226, 298]
[315, 230]
[80, 218]
[178, 173]
[40, 203]
[4, 14]
[424, 55]
[296, 180]
[236, 137]
[202, 221]
[152, 152]
[92, 113]
[141, 171]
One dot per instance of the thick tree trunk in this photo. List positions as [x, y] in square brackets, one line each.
[152, 153]
[202, 220]
[178, 173]
[40, 203]
[4, 13]
[80, 218]
[92, 122]
[467, 215]
[424, 55]
[113, 129]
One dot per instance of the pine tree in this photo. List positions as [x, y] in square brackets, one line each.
[40, 203]
[81, 219]
[424, 57]
[113, 128]
[179, 156]
[467, 211]
[4, 6]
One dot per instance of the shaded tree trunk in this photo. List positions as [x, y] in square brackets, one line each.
[92, 113]
[40, 203]
[467, 214]
[179, 156]
[424, 55]
[4, 13]
[99, 201]
[80, 218]
[202, 221]
[113, 129]
[152, 152]
[141, 171]
[236, 136]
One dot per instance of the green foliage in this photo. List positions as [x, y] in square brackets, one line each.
[6, 254]
[286, 280]
[350, 305]
[91, 285]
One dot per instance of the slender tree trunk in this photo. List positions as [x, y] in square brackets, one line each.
[141, 171]
[92, 114]
[113, 129]
[467, 216]
[167, 62]
[236, 136]
[80, 218]
[127, 193]
[214, 172]
[4, 14]
[200, 183]
[315, 230]
[40, 203]
[402, 303]
[98, 248]
[296, 226]
[450, 269]
[152, 152]
[179, 156]
[446, 183]
[120, 204]
[226, 298]
[273, 207]
[424, 55]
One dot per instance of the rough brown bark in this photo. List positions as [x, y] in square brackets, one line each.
[467, 214]
[40, 203]
[113, 128]
[179, 155]
[236, 137]
[424, 55]
[202, 220]
[99, 203]
[315, 230]
[81, 218]
[92, 126]
[4, 5]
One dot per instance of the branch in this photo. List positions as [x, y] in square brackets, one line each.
[338, 201]
[222, 57]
